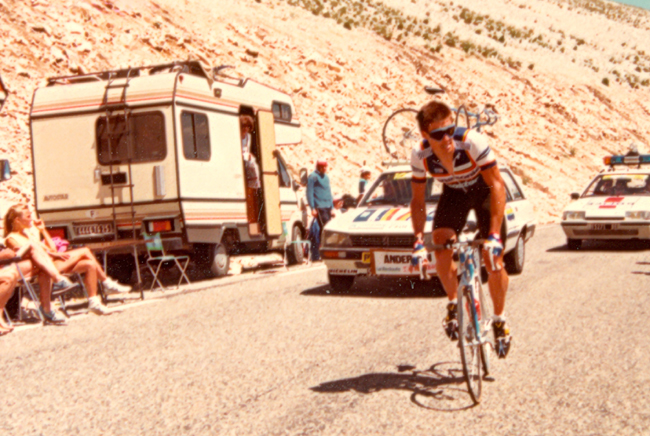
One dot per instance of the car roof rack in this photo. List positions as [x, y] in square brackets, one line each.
[395, 163]
[190, 67]
[628, 159]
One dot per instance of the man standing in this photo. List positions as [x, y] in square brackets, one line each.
[363, 182]
[462, 160]
[319, 197]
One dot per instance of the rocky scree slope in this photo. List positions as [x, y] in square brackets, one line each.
[556, 123]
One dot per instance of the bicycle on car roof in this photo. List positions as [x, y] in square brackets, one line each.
[401, 132]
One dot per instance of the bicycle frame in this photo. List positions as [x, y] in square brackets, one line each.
[474, 340]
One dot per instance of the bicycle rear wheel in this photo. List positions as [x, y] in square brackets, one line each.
[401, 133]
[470, 349]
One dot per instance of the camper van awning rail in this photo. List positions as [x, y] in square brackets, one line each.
[190, 67]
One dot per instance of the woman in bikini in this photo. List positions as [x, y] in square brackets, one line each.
[21, 229]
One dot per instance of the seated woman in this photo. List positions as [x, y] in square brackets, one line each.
[21, 229]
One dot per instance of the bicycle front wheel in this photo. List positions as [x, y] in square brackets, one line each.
[468, 342]
[401, 133]
[485, 322]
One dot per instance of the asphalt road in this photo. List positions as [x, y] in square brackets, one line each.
[279, 353]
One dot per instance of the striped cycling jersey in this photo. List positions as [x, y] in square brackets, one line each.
[472, 155]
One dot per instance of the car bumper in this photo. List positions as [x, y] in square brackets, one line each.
[607, 230]
[361, 263]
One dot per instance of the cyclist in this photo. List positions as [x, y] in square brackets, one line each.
[462, 160]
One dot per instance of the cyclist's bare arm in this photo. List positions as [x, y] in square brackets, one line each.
[418, 208]
[492, 177]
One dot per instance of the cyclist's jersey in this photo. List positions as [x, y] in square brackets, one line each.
[472, 155]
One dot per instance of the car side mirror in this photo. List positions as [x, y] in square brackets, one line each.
[5, 170]
[303, 176]
[4, 93]
[575, 195]
[295, 185]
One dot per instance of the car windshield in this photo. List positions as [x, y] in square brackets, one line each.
[395, 189]
[619, 185]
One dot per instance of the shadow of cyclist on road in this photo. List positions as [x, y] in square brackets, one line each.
[441, 387]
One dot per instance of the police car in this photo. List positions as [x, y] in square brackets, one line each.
[377, 238]
[615, 204]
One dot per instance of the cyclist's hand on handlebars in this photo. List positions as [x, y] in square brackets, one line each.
[419, 254]
[494, 247]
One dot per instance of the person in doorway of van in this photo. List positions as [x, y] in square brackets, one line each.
[251, 170]
[462, 160]
[319, 197]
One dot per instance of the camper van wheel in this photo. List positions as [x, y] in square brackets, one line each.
[220, 261]
[295, 253]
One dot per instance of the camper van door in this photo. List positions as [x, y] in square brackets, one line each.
[270, 179]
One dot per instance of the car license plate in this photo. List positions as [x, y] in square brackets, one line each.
[93, 229]
[601, 226]
[397, 263]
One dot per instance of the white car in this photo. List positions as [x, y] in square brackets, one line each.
[377, 238]
[615, 205]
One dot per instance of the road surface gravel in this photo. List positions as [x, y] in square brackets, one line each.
[281, 354]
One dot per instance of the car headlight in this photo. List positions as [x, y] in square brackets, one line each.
[573, 216]
[638, 215]
[335, 239]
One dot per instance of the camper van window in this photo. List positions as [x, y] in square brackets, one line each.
[196, 136]
[285, 180]
[281, 111]
[147, 130]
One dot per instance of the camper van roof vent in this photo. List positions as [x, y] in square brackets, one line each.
[190, 67]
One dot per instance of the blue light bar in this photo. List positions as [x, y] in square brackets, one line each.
[627, 160]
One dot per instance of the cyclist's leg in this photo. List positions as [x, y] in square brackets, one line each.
[497, 277]
[498, 284]
[450, 218]
[445, 266]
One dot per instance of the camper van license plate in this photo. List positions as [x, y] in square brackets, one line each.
[93, 229]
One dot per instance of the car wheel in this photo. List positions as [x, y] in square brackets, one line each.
[295, 252]
[341, 283]
[574, 244]
[514, 260]
[220, 261]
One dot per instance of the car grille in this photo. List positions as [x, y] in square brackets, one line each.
[619, 232]
[382, 241]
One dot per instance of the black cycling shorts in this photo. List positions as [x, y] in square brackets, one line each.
[455, 204]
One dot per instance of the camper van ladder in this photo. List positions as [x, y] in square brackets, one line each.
[110, 108]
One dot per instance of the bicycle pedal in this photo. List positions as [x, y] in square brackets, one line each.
[502, 346]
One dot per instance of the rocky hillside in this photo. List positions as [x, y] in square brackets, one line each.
[568, 77]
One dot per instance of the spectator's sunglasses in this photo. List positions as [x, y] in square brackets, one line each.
[440, 133]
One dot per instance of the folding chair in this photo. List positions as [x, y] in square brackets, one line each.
[156, 255]
[60, 293]
[25, 286]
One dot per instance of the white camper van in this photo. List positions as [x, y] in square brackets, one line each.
[158, 149]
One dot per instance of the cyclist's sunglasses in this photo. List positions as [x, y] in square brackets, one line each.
[440, 133]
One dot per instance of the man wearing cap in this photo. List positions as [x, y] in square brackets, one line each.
[319, 197]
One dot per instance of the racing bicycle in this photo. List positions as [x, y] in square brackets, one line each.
[474, 315]
[401, 132]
